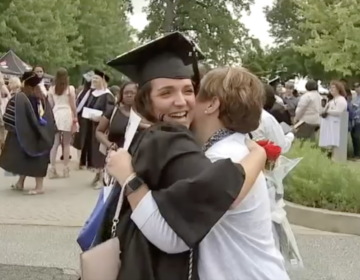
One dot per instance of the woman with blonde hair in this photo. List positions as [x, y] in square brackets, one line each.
[62, 99]
[4, 94]
[14, 85]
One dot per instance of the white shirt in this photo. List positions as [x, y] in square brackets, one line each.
[309, 108]
[279, 100]
[270, 129]
[240, 246]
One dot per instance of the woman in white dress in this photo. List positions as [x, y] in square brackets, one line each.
[330, 121]
[62, 99]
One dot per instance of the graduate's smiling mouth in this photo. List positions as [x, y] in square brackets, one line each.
[178, 116]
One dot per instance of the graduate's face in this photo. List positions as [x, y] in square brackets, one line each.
[173, 100]
[96, 82]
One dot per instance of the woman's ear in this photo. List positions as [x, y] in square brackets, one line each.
[213, 105]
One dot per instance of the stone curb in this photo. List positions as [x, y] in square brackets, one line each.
[76, 224]
[324, 220]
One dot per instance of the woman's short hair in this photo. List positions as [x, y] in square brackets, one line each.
[269, 97]
[241, 96]
[311, 85]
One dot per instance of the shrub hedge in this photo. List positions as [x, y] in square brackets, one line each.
[321, 183]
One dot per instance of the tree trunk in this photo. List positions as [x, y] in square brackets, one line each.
[170, 14]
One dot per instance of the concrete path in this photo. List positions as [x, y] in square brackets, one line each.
[38, 233]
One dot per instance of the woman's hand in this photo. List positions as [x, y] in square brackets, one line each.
[119, 166]
[254, 147]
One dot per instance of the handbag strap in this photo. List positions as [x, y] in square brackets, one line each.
[115, 220]
[113, 114]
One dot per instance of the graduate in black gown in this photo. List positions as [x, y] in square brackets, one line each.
[101, 99]
[31, 130]
[191, 193]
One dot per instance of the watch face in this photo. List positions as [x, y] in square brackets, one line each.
[135, 183]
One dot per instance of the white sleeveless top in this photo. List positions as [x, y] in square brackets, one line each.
[61, 109]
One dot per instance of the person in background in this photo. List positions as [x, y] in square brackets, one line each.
[277, 110]
[61, 97]
[330, 121]
[290, 100]
[82, 91]
[277, 86]
[308, 111]
[40, 72]
[115, 90]
[270, 128]
[14, 85]
[355, 129]
[2, 133]
[29, 139]
[98, 99]
[4, 94]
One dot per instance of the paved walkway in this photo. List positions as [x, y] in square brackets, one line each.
[66, 202]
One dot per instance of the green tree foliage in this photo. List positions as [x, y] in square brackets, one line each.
[105, 30]
[39, 31]
[333, 28]
[214, 24]
[76, 34]
[285, 20]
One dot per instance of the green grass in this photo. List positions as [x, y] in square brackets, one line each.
[321, 183]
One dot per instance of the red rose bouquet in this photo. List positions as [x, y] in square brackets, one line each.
[272, 153]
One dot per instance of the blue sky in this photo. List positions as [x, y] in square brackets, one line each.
[255, 22]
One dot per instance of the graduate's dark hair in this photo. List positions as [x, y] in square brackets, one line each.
[61, 81]
[143, 103]
[269, 97]
[122, 88]
[311, 85]
[240, 94]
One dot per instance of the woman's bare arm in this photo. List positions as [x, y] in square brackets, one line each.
[101, 128]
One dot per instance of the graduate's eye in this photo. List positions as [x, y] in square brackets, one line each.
[165, 93]
[188, 90]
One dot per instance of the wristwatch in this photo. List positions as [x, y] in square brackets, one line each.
[133, 185]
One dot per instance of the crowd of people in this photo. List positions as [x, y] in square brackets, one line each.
[197, 204]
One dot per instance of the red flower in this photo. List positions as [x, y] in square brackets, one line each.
[272, 151]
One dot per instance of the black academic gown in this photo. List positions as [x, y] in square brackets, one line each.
[79, 139]
[280, 114]
[192, 195]
[28, 143]
[91, 157]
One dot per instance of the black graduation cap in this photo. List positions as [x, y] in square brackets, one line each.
[31, 79]
[102, 75]
[273, 82]
[165, 57]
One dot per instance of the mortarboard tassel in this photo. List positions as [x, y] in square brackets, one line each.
[42, 120]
